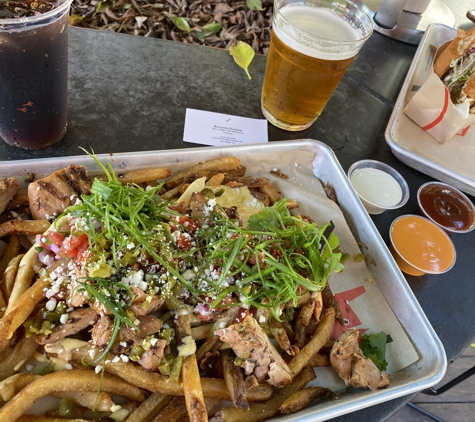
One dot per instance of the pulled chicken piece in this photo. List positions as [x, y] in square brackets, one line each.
[77, 321]
[51, 195]
[260, 357]
[352, 366]
[144, 304]
[8, 189]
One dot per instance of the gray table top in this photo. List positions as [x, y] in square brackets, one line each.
[130, 94]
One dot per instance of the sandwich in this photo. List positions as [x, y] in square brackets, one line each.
[456, 68]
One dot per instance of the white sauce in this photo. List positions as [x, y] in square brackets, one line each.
[376, 187]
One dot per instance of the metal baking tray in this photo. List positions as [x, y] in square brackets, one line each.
[451, 162]
[431, 364]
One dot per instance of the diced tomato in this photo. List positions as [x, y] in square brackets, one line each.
[55, 237]
[70, 253]
[184, 243]
[76, 241]
[72, 245]
[189, 225]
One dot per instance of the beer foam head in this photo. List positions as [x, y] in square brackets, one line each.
[317, 32]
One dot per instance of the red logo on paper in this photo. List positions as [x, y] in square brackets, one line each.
[349, 316]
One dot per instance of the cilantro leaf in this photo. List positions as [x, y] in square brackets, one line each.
[373, 347]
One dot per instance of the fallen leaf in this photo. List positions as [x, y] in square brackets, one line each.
[140, 20]
[213, 28]
[180, 23]
[102, 6]
[75, 19]
[254, 4]
[199, 35]
[243, 55]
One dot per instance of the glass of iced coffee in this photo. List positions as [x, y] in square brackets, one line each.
[312, 44]
[33, 72]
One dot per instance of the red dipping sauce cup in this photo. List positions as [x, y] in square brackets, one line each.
[447, 207]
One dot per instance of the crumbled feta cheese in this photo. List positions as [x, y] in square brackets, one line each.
[98, 369]
[51, 304]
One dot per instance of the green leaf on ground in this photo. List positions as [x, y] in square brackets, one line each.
[75, 19]
[254, 4]
[199, 35]
[102, 6]
[180, 23]
[243, 54]
[213, 28]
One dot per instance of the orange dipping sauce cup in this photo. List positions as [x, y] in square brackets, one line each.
[420, 247]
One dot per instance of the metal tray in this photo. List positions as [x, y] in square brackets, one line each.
[430, 367]
[451, 162]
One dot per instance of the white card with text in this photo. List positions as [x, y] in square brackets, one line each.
[207, 128]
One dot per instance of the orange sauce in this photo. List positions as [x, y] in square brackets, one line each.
[422, 244]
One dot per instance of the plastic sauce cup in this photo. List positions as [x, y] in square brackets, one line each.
[421, 247]
[447, 207]
[378, 186]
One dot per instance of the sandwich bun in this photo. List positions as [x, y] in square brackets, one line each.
[458, 47]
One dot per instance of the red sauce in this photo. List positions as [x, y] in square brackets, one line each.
[447, 207]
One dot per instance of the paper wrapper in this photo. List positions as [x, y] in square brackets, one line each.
[432, 109]
[362, 304]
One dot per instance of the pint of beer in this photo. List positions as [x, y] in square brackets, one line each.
[312, 44]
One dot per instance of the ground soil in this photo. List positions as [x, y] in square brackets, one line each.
[212, 23]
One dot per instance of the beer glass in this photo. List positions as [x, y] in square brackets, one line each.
[312, 44]
[33, 72]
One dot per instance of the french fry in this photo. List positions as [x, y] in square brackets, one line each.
[212, 405]
[39, 418]
[23, 350]
[13, 249]
[18, 313]
[319, 360]
[148, 408]
[170, 194]
[140, 176]
[301, 399]
[291, 204]
[157, 383]
[190, 373]
[221, 164]
[99, 402]
[281, 336]
[201, 331]
[318, 340]
[306, 312]
[72, 380]
[262, 411]
[329, 301]
[21, 198]
[317, 311]
[210, 345]
[23, 227]
[13, 384]
[174, 411]
[8, 278]
[271, 192]
[215, 180]
[24, 276]
[234, 380]
[3, 305]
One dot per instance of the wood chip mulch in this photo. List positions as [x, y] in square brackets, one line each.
[212, 23]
